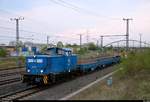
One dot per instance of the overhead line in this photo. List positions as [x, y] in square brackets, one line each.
[59, 3]
[20, 30]
[71, 5]
[35, 32]
[14, 37]
[79, 8]
[84, 10]
[15, 14]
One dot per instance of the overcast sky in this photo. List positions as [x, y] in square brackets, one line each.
[65, 19]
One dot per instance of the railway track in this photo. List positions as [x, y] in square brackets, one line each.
[19, 93]
[10, 76]
[8, 81]
[61, 90]
[24, 92]
[12, 68]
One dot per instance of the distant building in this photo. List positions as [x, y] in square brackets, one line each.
[9, 49]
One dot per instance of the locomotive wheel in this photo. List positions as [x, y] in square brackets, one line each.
[53, 78]
[24, 79]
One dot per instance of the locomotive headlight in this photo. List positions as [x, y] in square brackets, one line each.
[41, 71]
[28, 70]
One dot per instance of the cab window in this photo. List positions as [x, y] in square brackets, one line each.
[60, 52]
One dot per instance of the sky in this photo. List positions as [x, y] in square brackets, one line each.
[63, 22]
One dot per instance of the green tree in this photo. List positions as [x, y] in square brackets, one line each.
[75, 45]
[68, 45]
[82, 51]
[92, 46]
[3, 53]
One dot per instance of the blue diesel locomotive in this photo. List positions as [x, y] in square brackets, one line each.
[55, 63]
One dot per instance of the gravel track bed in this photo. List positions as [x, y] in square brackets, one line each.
[4, 89]
[59, 91]
[12, 70]
[10, 74]
[10, 77]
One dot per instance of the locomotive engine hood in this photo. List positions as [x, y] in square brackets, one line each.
[36, 64]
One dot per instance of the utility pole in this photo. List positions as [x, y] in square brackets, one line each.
[118, 47]
[32, 40]
[47, 41]
[127, 32]
[140, 40]
[133, 44]
[97, 43]
[17, 36]
[145, 44]
[87, 36]
[101, 41]
[80, 41]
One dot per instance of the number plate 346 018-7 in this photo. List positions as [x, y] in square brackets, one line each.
[35, 60]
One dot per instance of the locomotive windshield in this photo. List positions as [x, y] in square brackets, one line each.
[47, 52]
[54, 51]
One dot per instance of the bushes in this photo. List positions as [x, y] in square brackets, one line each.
[22, 59]
[3, 53]
[92, 46]
[135, 63]
[82, 51]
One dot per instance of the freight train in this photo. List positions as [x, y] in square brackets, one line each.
[56, 63]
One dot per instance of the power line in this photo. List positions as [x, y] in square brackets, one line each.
[2, 27]
[61, 4]
[81, 10]
[12, 13]
[73, 6]
[27, 18]
[58, 36]
[15, 37]
[6, 21]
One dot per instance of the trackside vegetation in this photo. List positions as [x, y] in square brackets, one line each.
[135, 72]
[136, 62]
[131, 82]
[10, 62]
[3, 53]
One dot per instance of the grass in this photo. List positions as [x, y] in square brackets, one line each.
[132, 82]
[135, 63]
[11, 62]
